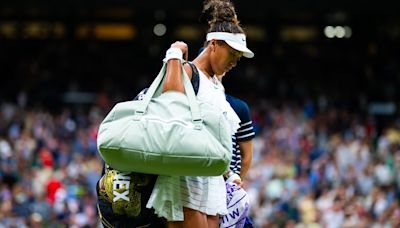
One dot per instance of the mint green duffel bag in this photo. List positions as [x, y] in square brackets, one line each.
[167, 133]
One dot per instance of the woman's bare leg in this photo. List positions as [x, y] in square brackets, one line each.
[174, 224]
[192, 219]
[213, 221]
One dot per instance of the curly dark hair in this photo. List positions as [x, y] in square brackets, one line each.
[221, 16]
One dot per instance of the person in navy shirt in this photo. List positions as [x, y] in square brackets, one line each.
[242, 140]
[242, 145]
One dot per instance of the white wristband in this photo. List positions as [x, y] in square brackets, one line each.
[173, 53]
[233, 177]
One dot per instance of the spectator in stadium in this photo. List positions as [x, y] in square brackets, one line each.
[242, 140]
[242, 150]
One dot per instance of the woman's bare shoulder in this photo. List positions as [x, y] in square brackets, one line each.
[188, 70]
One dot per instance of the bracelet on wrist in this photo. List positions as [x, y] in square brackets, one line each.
[230, 176]
[233, 177]
[173, 53]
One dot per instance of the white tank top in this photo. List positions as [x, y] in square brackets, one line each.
[212, 91]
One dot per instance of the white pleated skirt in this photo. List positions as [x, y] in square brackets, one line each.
[202, 193]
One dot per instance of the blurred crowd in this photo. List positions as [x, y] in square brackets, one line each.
[323, 162]
[49, 167]
[312, 167]
[325, 168]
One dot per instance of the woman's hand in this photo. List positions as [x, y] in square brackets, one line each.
[174, 81]
[183, 46]
[233, 178]
[238, 182]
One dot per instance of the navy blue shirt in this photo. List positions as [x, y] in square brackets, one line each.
[244, 133]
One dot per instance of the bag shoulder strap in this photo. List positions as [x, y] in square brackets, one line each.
[195, 83]
[158, 81]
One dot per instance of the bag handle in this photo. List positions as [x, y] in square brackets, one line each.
[142, 107]
[194, 106]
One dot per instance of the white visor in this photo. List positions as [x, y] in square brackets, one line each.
[236, 41]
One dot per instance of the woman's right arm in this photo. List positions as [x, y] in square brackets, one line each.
[174, 81]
